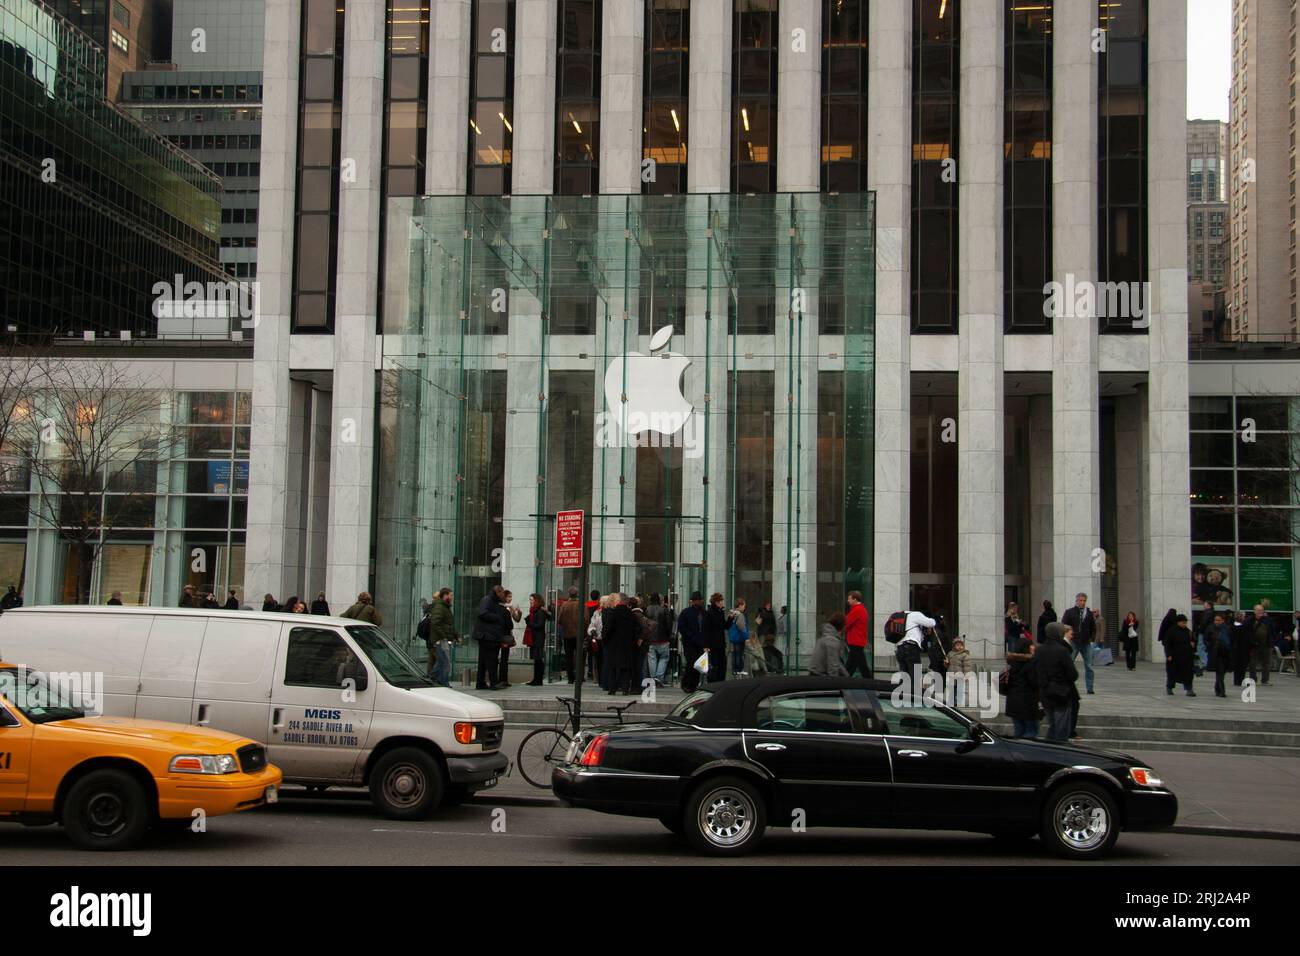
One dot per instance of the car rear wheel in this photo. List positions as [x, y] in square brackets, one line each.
[725, 816]
[406, 784]
[1080, 821]
[106, 810]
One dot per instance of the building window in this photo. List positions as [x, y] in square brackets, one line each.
[407, 100]
[667, 85]
[491, 97]
[844, 96]
[1027, 166]
[753, 96]
[122, 14]
[577, 91]
[1122, 151]
[119, 41]
[320, 97]
[936, 69]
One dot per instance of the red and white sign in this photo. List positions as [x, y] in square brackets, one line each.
[568, 539]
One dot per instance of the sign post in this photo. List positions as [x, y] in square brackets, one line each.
[569, 527]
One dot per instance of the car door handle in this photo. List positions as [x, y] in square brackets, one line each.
[203, 715]
[913, 753]
[769, 747]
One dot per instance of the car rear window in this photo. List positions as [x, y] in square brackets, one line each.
[689, 708]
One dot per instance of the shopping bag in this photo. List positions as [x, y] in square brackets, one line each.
[702, 663]
[1102, 657]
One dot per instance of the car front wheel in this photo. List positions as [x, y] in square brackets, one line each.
[1080, 821]
[725, 816]
[106, 810]
[406, 784]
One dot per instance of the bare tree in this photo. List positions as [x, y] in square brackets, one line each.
[90, 427]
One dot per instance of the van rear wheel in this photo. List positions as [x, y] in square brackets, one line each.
[106, 810]
[406, 784]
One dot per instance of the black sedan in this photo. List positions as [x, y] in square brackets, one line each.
[737, 757]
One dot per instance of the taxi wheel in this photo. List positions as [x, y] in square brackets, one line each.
[106, 810]
[1080, 821]
[725, 816]
[406, 784]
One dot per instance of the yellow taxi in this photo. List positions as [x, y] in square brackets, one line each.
[108, 779]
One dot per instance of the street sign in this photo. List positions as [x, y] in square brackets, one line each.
[568, 539]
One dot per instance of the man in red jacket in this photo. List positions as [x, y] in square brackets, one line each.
[855, 635]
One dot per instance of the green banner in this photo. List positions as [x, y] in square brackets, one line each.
[1266, 581]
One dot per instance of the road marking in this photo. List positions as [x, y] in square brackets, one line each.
[520, 836]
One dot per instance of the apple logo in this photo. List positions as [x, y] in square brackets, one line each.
[649, 398]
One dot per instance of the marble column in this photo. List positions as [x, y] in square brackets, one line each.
[533, 157]
[709, 167]
[622, 58]
[446, 168]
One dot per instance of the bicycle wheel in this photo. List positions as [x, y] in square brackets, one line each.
[538, 751]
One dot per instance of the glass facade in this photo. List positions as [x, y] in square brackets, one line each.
[668, 441]
[95, 208]
[1027, 166]
[320, 112]
[1122, 149]
[165, 520]
[936, 72]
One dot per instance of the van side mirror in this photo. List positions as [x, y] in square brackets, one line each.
[356, 672]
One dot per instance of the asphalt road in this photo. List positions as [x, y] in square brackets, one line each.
[341, 828]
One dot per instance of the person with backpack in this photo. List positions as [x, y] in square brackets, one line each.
[855, 635]
[737, 635]
[908, 633]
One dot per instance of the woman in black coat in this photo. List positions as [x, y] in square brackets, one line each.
[1022, 690]
[1166, 623]
[715, 637]
[1128, 639]
[619, 634]
[1180, 648]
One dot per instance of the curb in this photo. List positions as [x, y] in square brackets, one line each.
[1200, 830]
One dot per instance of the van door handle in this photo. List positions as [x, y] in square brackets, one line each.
[277, 720]
[913, 753]
[769, 747]
[203, 715]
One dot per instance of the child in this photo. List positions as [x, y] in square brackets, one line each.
[960, 663]
[755, 661]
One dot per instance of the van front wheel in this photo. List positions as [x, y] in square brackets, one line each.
[406, 784]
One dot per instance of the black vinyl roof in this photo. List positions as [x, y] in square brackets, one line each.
[733, 702]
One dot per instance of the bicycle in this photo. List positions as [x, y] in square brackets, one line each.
[545, 746]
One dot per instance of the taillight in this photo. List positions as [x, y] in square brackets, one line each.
[595, 752]
[465, 732]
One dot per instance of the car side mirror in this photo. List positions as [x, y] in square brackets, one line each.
[355, 672]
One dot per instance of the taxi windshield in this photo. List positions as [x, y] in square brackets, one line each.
[33, 696]
[393, 662]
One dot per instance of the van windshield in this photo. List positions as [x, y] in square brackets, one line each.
[393, 662]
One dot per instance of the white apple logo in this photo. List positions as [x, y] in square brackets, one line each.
[650, 397]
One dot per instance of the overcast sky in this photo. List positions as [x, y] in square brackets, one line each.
[1209, 58]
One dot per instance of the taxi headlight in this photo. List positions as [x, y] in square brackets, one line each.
[204, 763]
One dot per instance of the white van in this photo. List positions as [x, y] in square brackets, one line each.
[336, 701]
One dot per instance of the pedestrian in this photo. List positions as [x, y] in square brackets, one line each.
[187, 596]
[765, 624]
[440, 634]
[1207, 636]
[511, 615]
[1241, 640]
[535, 637]
[1022, 686]
[291, 606]
[363, 610]
[1012, 626]
[962, 666]
[489, 633]
[1263, 635]
[1083, 624]
[11, 600]
[116, 599]
[1056, 674]
[569, 627]
[645, 631]
[232, 602]
[755, 661]
[908, 650]
[1128, 639]
[1166, 622]
[320, 605]
[783, 630]
[828, 652]
[594, 663]
[621, 635]
[269, 603]
[210, 602]
[855, 635]
[660, 647]
[1220, 648]
[1047, 617]
[737, 635]
[715, 637]
[690, 627]
[1179, 652]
